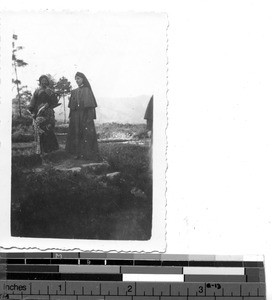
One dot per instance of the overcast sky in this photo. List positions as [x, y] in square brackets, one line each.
[122, 55]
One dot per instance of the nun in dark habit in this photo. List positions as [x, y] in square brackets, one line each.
[82, 138]
[149, 117]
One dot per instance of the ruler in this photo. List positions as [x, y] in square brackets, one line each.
[109, 276]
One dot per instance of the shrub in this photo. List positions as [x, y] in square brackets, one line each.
[55, 204]
[25, 161]
[119, 131]
[22, 130]
[46, 204]
[132, 161]
[126, 157]
[18, 137]
[25, 120]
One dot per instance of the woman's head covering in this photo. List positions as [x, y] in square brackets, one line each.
[47, 95]
[86, 83]
[44, 76]
[85, 80]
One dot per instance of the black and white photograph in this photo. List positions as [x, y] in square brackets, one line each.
[195, 180]
[85, 103]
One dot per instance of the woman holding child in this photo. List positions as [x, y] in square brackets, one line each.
[41, 108]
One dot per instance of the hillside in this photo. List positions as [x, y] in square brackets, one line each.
[122, 110]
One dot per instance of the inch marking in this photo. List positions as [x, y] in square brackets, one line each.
[119, 290]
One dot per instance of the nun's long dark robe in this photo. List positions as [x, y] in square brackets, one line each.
[82, 138]
[149, 115]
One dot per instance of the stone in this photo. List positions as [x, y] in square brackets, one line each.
[138, 193]
[96, 167]
[56, 156]
[63, 169]
[113, 176]
[38, 170]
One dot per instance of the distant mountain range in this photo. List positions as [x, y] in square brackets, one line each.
[120, 110]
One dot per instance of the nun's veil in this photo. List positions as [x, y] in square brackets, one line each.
[87, 84]
[85, 80]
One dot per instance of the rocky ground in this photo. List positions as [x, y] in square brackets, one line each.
[57, 196]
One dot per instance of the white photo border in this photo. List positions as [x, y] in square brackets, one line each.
[157, 243]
